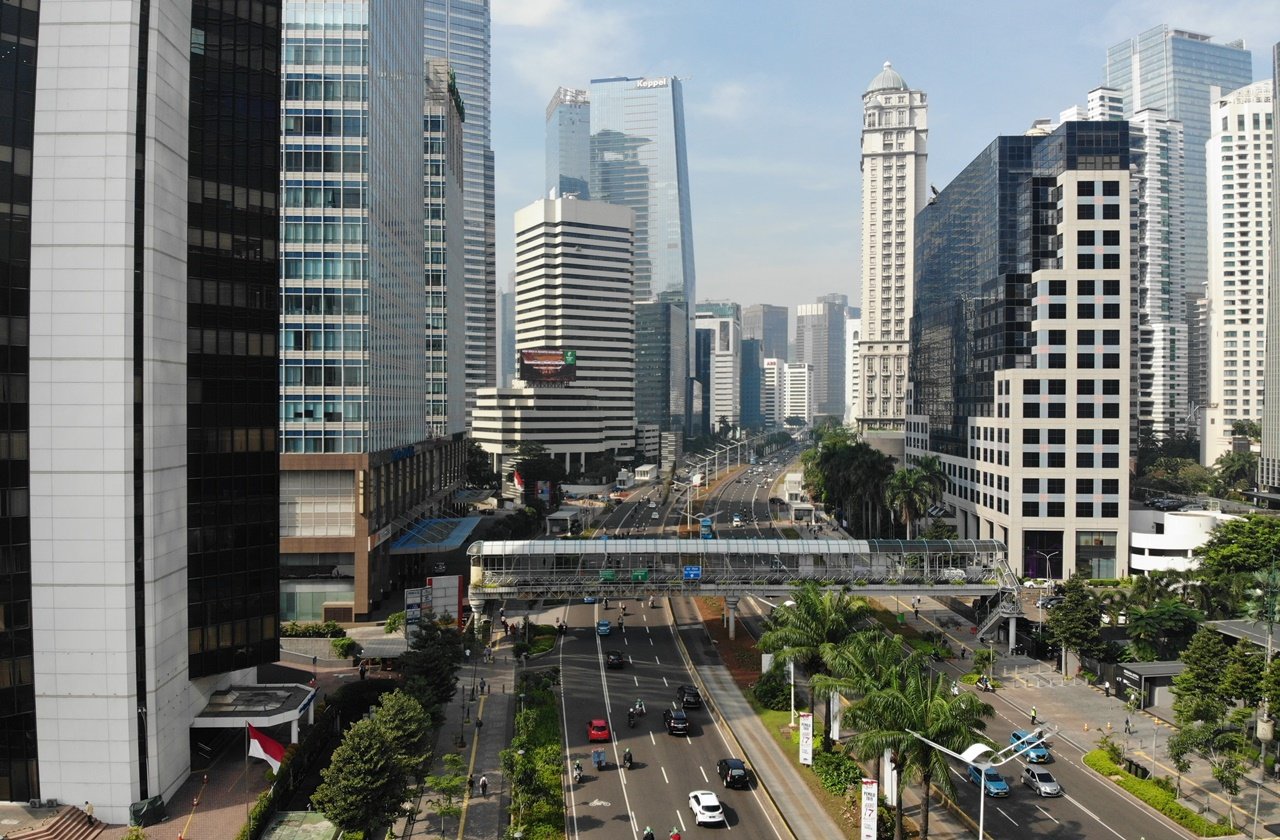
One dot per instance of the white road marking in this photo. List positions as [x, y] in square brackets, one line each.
[1076, 802]
[1047, 814]
[680, 816]
[704, 774]
[652, 740]
[1006, 816]
[634, 679]
[664, 775]
[657, 660]
[650, 641]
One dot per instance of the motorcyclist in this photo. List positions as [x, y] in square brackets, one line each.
[650, 601]
[639, 706]
[577, 771]
[631, 717]
[626, 756]
[648, 833]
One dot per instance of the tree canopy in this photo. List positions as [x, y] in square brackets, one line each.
[1240, 545]
[1076, 623]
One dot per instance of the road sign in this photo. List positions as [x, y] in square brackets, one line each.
[640, 575]
[693, 573]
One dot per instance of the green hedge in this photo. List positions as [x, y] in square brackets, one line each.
[836, 771]
[1156, 795]
[1103, 581]
[312, 630]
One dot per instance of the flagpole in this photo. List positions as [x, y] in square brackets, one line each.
[246, 773]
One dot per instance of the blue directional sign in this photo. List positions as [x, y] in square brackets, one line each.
[693, 573]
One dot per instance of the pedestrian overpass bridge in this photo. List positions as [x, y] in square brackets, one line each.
[636, 568]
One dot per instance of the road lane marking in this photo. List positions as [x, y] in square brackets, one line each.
[1006, 816]
[1047, 814]
[652, 740]
[704, 774]
[1077, 803]
[564, 716]
[650, 641]
[608, 713]
[657, 660]
[680, 816]
[664, 775]
[664, 683]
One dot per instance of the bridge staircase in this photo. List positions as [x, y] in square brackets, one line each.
[1008, 605]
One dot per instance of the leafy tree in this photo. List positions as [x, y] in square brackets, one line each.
[1236, 471]
[1251, 429]
[935, 475]
[812, 632]
[1271, 684]
[1075, 624]
[1258, 596]
[1113, 603]
[431, 664]
[1162, 630]
[479, 467]
[923, 704]
[448, 787]
[1196, 691]
[408, 729]
[909, 493]
[938, 529]
[1184, 476]
[1150, 589]
[1220, 747]
[364, 786]
[1242, 676]
[1240, 545]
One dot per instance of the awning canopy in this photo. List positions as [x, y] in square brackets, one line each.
[384, 647]
[433, 536]
[472, 495]
[261, 705]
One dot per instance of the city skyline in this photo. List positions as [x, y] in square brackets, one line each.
[760, 217]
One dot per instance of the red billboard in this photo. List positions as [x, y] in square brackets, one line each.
[548, 365]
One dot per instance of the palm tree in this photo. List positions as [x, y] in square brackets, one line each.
[815, 632]
[908, 493]
[923, 704]
[1150, 589]
[935, 475]
[1113, 602]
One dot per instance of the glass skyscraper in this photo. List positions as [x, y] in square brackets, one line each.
[1172, 70]
[638, 160]
[569, 143]
[459, 32]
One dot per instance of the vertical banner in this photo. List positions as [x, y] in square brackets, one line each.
[834, 702]
[870, 811]
[806, 738]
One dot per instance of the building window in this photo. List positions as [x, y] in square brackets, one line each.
[1057, 410]
[1031, 459]
[1030, 435]
[1031, 409]
[1084, 411]
[1084, 460]
[1056, 509]
[1056, 460]
[1084, 436]
[1084, 486]
[1111, 411]
[1111, 437]
[1030, 485]
[1057, 310]
[1057, 361]
[1085, 261]
[1085, 188]
[1057, 437]
[1084, 211]
[1110, 460]
[1110, 510]
[1030, 508]
[1084, 510]
[1111, 261]
[1031, 386]
[1085, 311]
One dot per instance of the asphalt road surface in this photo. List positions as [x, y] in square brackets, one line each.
[617, 803]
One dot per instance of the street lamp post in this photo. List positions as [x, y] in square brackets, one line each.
[995, 758]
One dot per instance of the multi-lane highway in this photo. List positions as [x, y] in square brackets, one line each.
[617, 803]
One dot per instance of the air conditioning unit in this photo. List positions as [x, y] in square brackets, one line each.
[33, 803]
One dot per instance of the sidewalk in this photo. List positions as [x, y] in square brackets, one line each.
[1082, 714]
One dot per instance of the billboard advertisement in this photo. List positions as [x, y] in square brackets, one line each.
[548, 365]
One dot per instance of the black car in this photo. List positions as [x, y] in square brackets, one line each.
[733, 773]
[614, 659]
[689, 697]
[677, 722]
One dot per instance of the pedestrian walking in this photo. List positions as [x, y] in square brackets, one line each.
[363, 669]
[1034, 714]
[964, 651]
[1128, 727]
[479, 724]
[484, 785]
[916, 610]
[1106, 688]
[466, 655]
[471, 784]
[88, 812]
[482, 681]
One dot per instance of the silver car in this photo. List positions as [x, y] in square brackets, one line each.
[1041, 781]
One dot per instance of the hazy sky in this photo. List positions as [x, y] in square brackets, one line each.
[773, 103]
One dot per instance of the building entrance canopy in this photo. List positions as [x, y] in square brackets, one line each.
[433, 536]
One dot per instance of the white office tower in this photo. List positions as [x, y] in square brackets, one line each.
[852, 367]
[772, 401]
[724, 320]
[1239, 166]
[1159, 387]
[797, 391]
[1160, 328]
[573, 295]
[1269, 458]
[895, 135]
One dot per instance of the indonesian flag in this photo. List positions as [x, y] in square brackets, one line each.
[260, 746]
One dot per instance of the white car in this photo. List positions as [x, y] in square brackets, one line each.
[706, 808]
[1041, 781]
[652, 504]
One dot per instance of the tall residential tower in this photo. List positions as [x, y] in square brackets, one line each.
[459, 32]
[895, 132]
[820, 344]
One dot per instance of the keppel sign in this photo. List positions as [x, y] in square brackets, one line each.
[806, 738]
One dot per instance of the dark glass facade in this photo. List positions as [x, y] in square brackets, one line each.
[18, 35]
[700, 382]
[660, 349]
[976, 246]
[233, 320]
[750, 382]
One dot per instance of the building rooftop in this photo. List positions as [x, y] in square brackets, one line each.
[888, 79]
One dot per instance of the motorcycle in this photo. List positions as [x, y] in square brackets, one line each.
[631, 720]
[648, 834]
[577, 772]
[639, 708]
